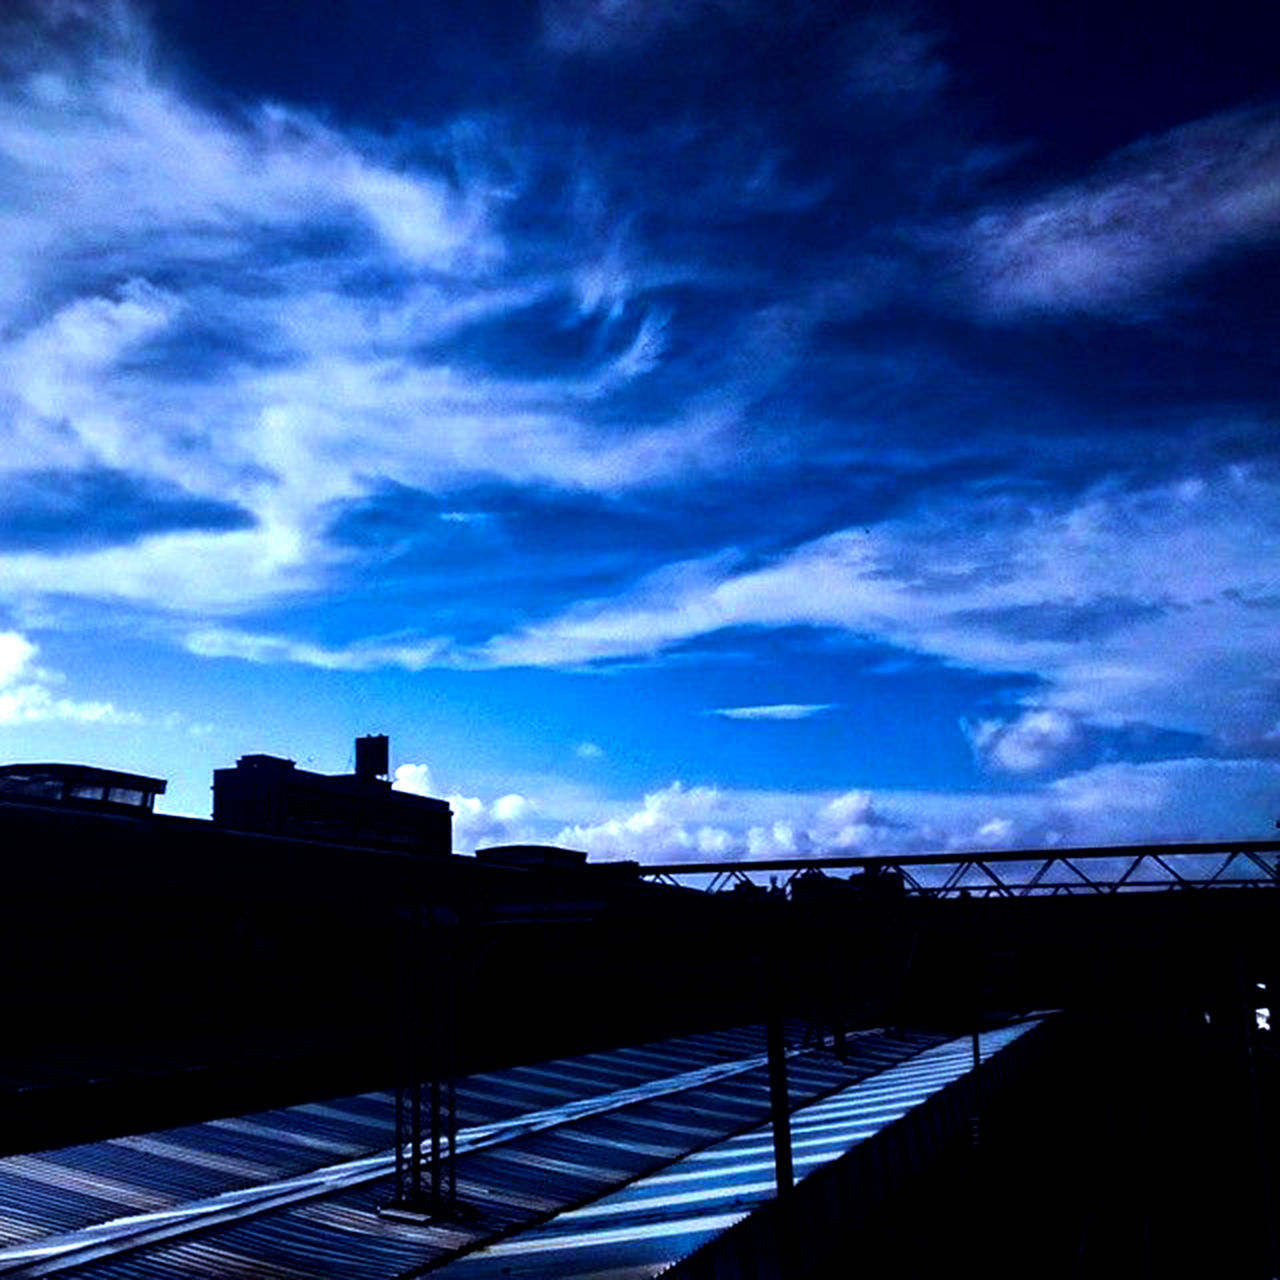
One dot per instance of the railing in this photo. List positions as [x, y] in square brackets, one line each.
[1112, 869]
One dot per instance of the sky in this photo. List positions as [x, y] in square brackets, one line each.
[691, 429]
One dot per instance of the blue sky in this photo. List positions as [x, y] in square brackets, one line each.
[689, 429]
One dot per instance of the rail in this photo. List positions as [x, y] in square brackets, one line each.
[1019, 873]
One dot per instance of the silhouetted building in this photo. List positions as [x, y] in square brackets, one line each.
[271, 794]
[81, 786]
[532, 857]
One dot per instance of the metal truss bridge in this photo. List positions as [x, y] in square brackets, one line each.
[1022, 873]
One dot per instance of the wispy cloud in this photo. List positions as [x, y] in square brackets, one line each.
[774, 711]
[226, 344]
[1155, 211]
[598, 27]
[369, 655]
[894, 60]
[1130, 605]
[1147, 604]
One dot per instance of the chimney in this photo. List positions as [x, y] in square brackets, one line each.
[373, 757]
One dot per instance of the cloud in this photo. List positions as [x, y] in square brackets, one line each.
[16, 653]
[509, 819]
[700, 823]
[1191, 799]
[509, 808]
[1153, 213]
[96, 124]
[224, 642]
[68, 510]
[599, 27]
[1130, 604]
[1172, 800]
[775, 711]
[27, 691]
[589, 751]
[894, 61]
[1039, 739]
[185, 299]
[414, 778]
[674, 821]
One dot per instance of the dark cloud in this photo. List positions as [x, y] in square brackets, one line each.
[551, 338]
[379, 63]
[80, 510]
[1072, 623]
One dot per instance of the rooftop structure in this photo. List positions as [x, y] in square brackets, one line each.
[532, 857]
[81, 785]
[266, 793]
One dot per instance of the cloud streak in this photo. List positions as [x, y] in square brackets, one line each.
[775, 711]
[223, 642]
[1156, 211]
[1128, 603]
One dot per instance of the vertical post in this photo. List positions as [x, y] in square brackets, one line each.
[1245, 991]
[444, 927]
[838, 988]
[780, 1112]
[435, 1135]
[408, 1014]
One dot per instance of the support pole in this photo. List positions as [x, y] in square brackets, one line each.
[443, 930]
[780, 1112]
[409, 1198]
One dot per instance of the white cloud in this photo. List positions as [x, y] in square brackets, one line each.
[775, 711]
[1191, 799]
[996, 833]
[99, 129]
[16, 654]
[589, 751]
[509, 808]
[509, 819]
[1117, 803]
[1037, 740]
[1156, 211]
[414, 778]
[27, 691]
[673, 821]
[680, 823]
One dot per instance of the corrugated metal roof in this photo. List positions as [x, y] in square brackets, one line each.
[544, 1162]
[83, 1185]
[654, 1221]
